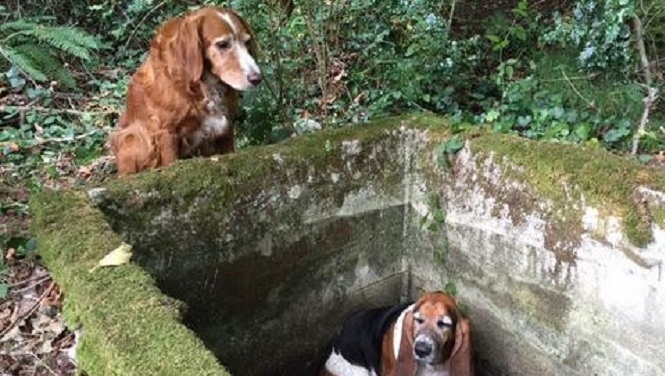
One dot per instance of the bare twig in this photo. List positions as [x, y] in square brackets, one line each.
[43, 364]
[652, 92]
[641, 49]
[450, 16]
[36, 281]
[573, 78]
[320, 46]
[588, 102]
[5, 108]
[42, 141]
[145, 17]
[12, 321]
[29, 313]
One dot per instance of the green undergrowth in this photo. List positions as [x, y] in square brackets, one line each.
[562, 172]
[129, 327]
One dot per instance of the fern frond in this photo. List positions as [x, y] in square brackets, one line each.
[81, 37]
[47, 63]
[18, 25]
[65, 39]
[23, 63]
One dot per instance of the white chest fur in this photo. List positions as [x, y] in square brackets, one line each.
[214, 122]
[428, 370]
[213, 126]
[338, 366]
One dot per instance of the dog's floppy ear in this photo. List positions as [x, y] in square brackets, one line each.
[184, 51]
[405, 365]
[461, 360]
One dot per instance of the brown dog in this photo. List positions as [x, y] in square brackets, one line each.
[428, 338]
[183, 99]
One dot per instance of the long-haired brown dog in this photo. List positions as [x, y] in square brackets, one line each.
[183, 99]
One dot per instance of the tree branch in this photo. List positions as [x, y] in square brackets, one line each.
[652, 92]
[5, 108]
[42, 141]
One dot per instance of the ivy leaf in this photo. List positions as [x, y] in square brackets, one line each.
[450, 289]
[644, 158]
[493, 38]
[441, 252]
[492, 116]
[582, 131]
[616, 134]
[454, 144]
[524, 120]
[440, 216]
[31, 245]
[412, 49]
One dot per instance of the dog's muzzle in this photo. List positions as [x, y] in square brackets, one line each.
[424, 348]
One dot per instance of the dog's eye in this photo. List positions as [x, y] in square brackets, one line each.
[223, 45]
[442, 324]
[418, 320]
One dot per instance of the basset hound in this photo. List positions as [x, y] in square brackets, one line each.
[426, 338]
[183, 99]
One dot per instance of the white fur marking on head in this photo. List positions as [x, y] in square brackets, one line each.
[247, 62]
[397, 330]
[447, 320]
[337, 365]
[228, 20]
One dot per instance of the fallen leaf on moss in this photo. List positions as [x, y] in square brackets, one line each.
[118, 256]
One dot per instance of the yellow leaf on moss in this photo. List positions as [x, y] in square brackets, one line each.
[118, 256]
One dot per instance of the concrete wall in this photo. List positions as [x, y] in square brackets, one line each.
[268, 278]
[543, 259]
[553, 287]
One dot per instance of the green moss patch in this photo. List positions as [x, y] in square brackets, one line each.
[129, 326]
[557, 171]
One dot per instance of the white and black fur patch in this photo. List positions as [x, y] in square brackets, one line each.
[356, 349]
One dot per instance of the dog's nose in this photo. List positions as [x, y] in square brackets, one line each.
[254, 78]
[422, 349]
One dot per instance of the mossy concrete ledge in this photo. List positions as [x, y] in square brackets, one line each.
[252, 260]
[128, 327]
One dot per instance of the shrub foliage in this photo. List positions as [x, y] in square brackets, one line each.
[564, 71]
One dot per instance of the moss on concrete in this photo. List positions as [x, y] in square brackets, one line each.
[563, 172]
[129, 326]
[223, 180]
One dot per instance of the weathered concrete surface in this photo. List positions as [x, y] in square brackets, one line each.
[553, 287]
[271, 248]
[274, 267]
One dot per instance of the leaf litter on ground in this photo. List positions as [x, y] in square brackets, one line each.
[34, 339]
